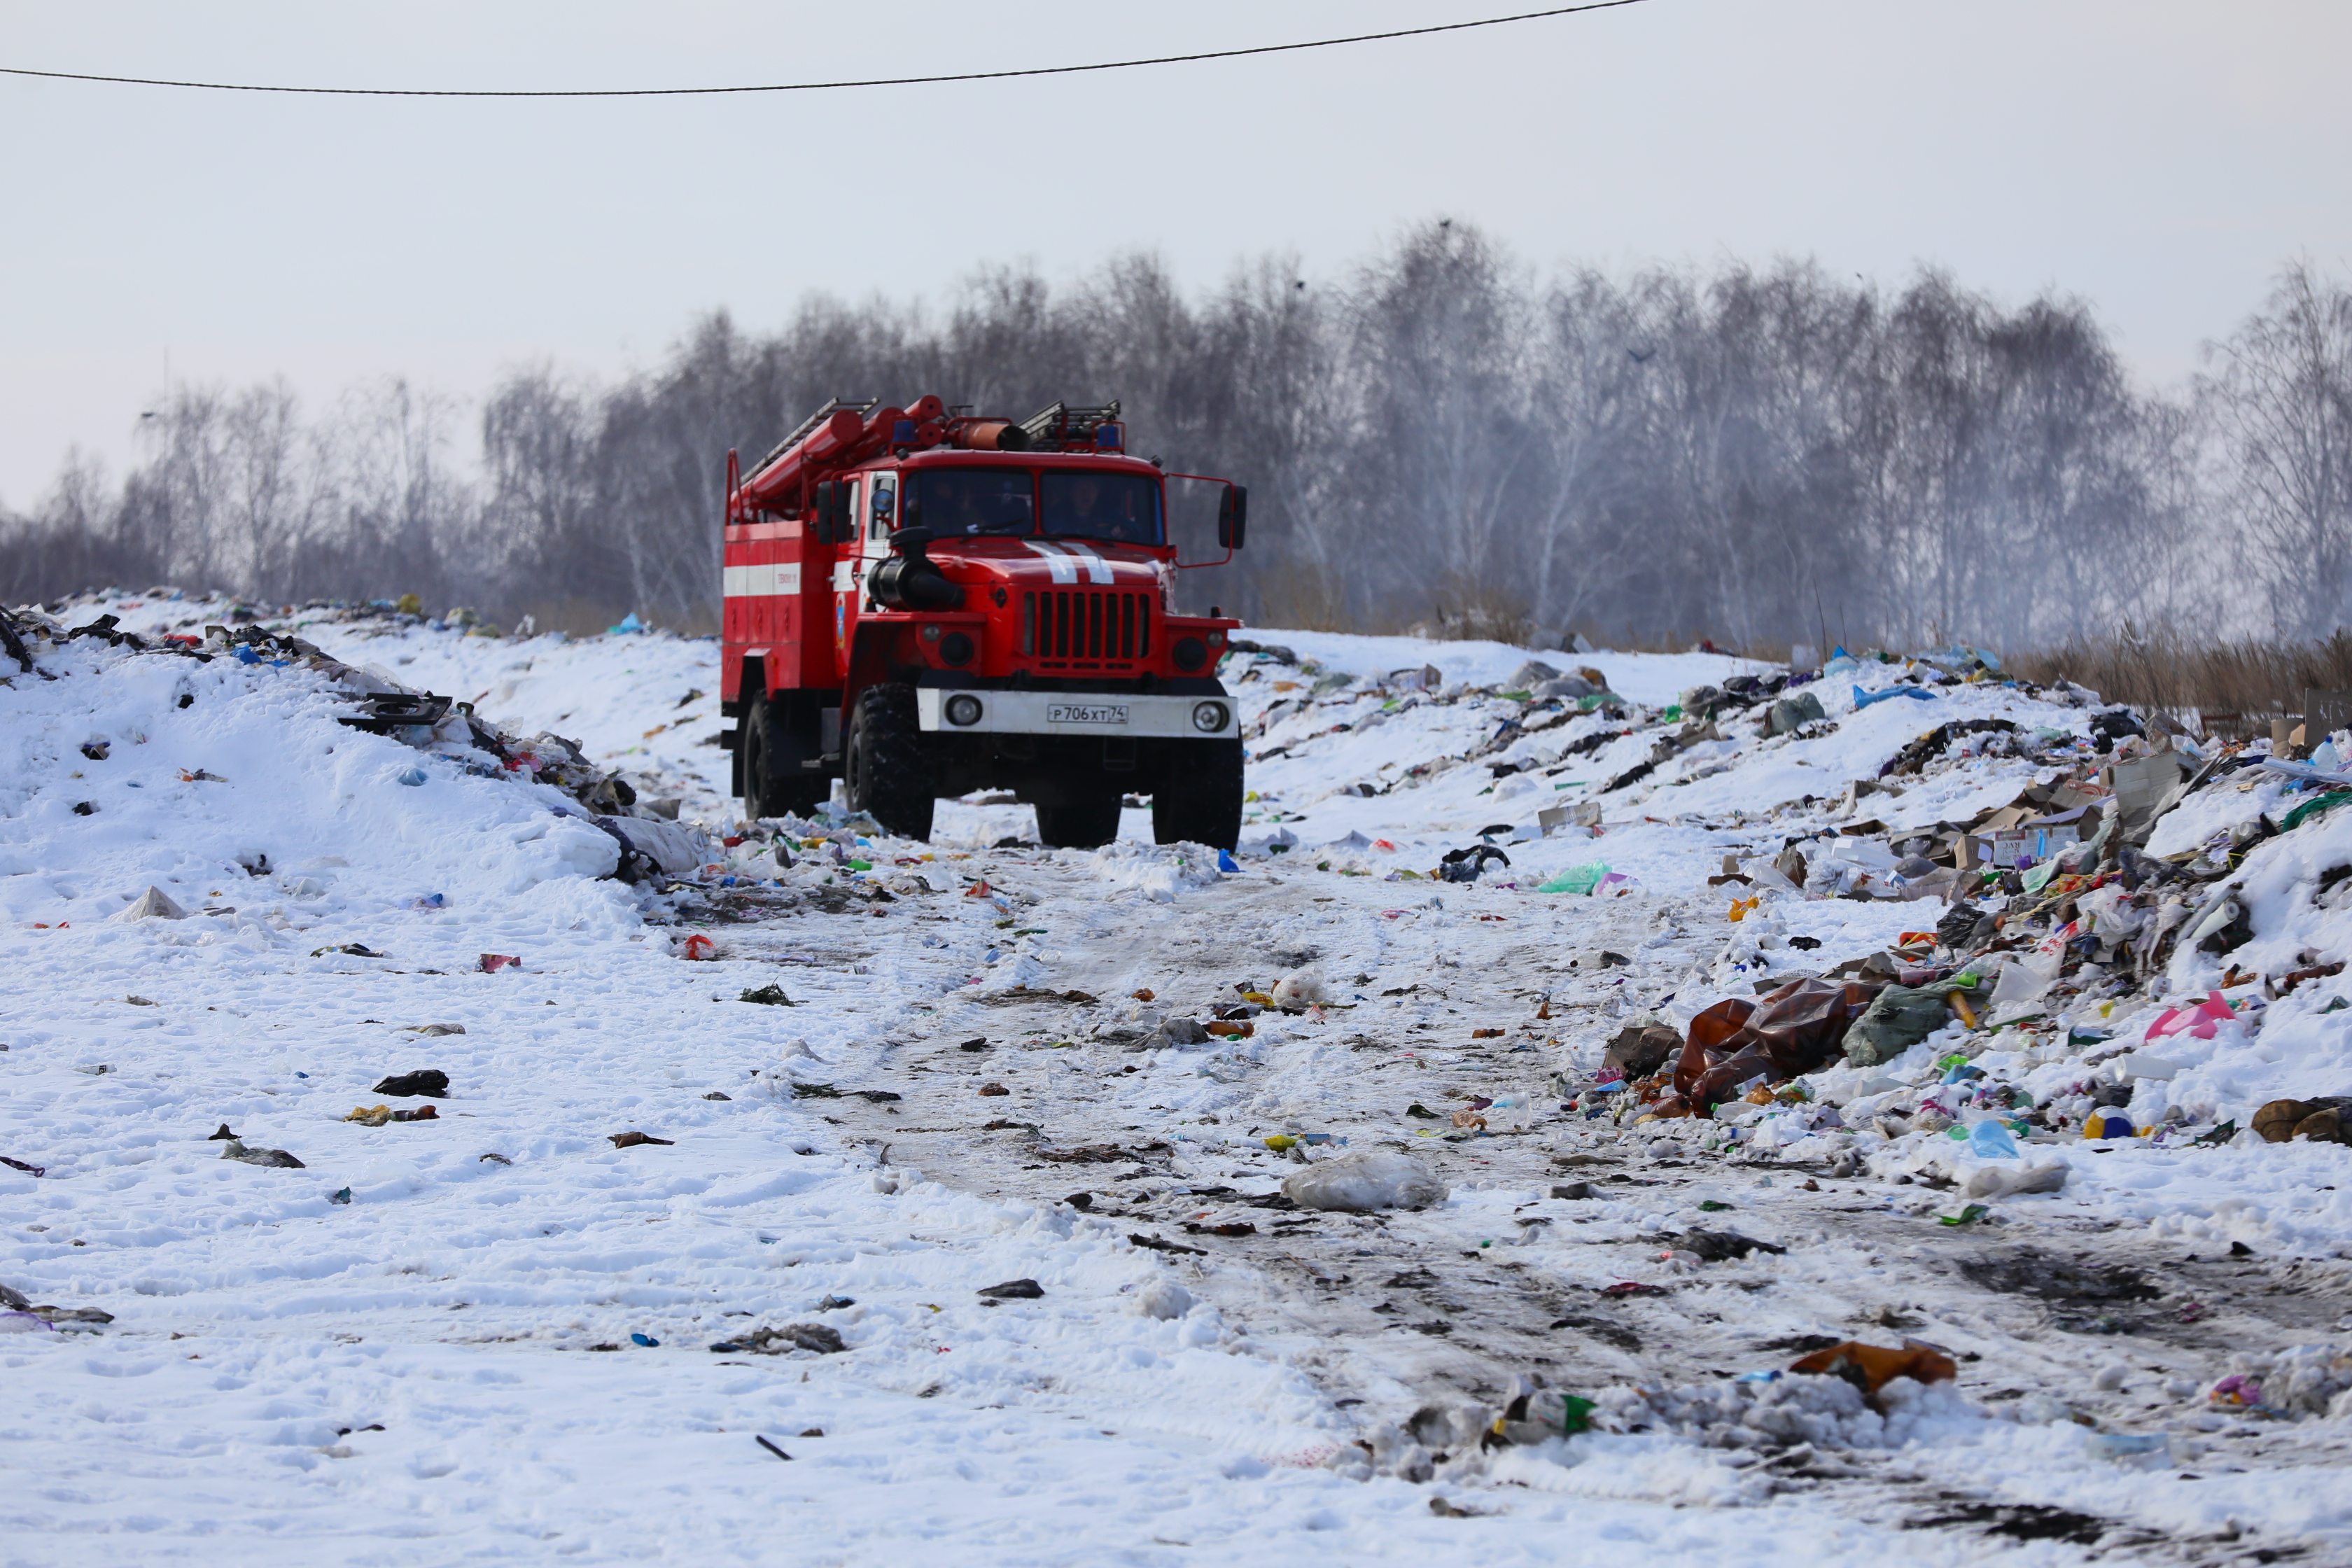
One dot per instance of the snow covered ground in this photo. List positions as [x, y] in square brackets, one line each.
[384, 1354]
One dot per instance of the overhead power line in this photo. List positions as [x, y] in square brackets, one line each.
[815, 86]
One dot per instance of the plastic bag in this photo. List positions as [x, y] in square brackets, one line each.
[1992, 1140]
[1898, 1018]
[1576, 879]
[1639, 1049]
[1789, 1032]
[2198, 1021]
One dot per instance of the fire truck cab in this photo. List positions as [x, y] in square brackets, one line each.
[921, 602]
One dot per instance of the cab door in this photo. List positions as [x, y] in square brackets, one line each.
[848, 569]
[881, 518]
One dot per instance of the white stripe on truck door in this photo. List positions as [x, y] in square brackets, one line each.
[761, 582]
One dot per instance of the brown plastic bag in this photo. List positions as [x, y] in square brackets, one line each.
[2320, 1118]
[1788, 1032]
[1872, 1367]
[1639, 1049]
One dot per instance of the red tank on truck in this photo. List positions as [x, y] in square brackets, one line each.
[921, 603]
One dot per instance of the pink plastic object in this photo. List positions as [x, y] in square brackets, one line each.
[2237, 1390]
[2196, 1022]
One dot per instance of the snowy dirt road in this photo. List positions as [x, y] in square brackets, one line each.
[512, 1332]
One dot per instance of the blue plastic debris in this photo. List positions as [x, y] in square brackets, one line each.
[629, 625]
[1990, 1141]
[410, 776]
[645, 1339]
[343, 1196]
[2123, 1445]
[1226, 863]
[1865, 699]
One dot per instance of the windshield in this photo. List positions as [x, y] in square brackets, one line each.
[1124, 508]
[967, 501]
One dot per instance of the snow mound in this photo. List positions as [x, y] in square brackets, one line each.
[1163, 1299]
[1826, 1412]
[1157, 871]
[139, 785]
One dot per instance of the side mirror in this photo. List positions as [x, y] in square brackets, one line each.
[833, 521]
[1233, 517]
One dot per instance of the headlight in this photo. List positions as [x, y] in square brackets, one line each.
[955, 648]
[1191, 653]
[963, 708]
[1208, 717]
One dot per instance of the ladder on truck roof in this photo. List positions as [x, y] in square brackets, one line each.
[860, 406]
[1060, 424]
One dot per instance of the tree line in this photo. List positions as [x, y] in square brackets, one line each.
[1441, 436]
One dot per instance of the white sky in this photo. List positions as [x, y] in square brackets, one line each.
[2158, 157]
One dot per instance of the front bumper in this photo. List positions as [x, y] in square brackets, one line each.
[1103, 714]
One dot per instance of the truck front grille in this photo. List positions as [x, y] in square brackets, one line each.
[1097, 628]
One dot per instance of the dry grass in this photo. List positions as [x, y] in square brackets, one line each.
[2235, 688]
[1306, 602]
[1474, 611]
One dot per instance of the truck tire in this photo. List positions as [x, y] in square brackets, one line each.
[1200, 799]
[774, 783]
[885, 767]
[1083, 825]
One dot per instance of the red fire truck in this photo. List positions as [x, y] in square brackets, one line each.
[921, 602]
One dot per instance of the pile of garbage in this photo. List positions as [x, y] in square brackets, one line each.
[1541, 722]
[2066, 981]
[2073, 986]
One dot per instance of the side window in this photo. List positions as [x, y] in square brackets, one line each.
[886, 498]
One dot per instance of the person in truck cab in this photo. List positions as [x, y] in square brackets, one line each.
[1123, 508]
[969, 500]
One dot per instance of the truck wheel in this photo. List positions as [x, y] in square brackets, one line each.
[1200, 799]
[1087, 824]
[884, 765]
[774, 783]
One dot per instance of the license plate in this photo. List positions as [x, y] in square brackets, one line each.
[1086, 713]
